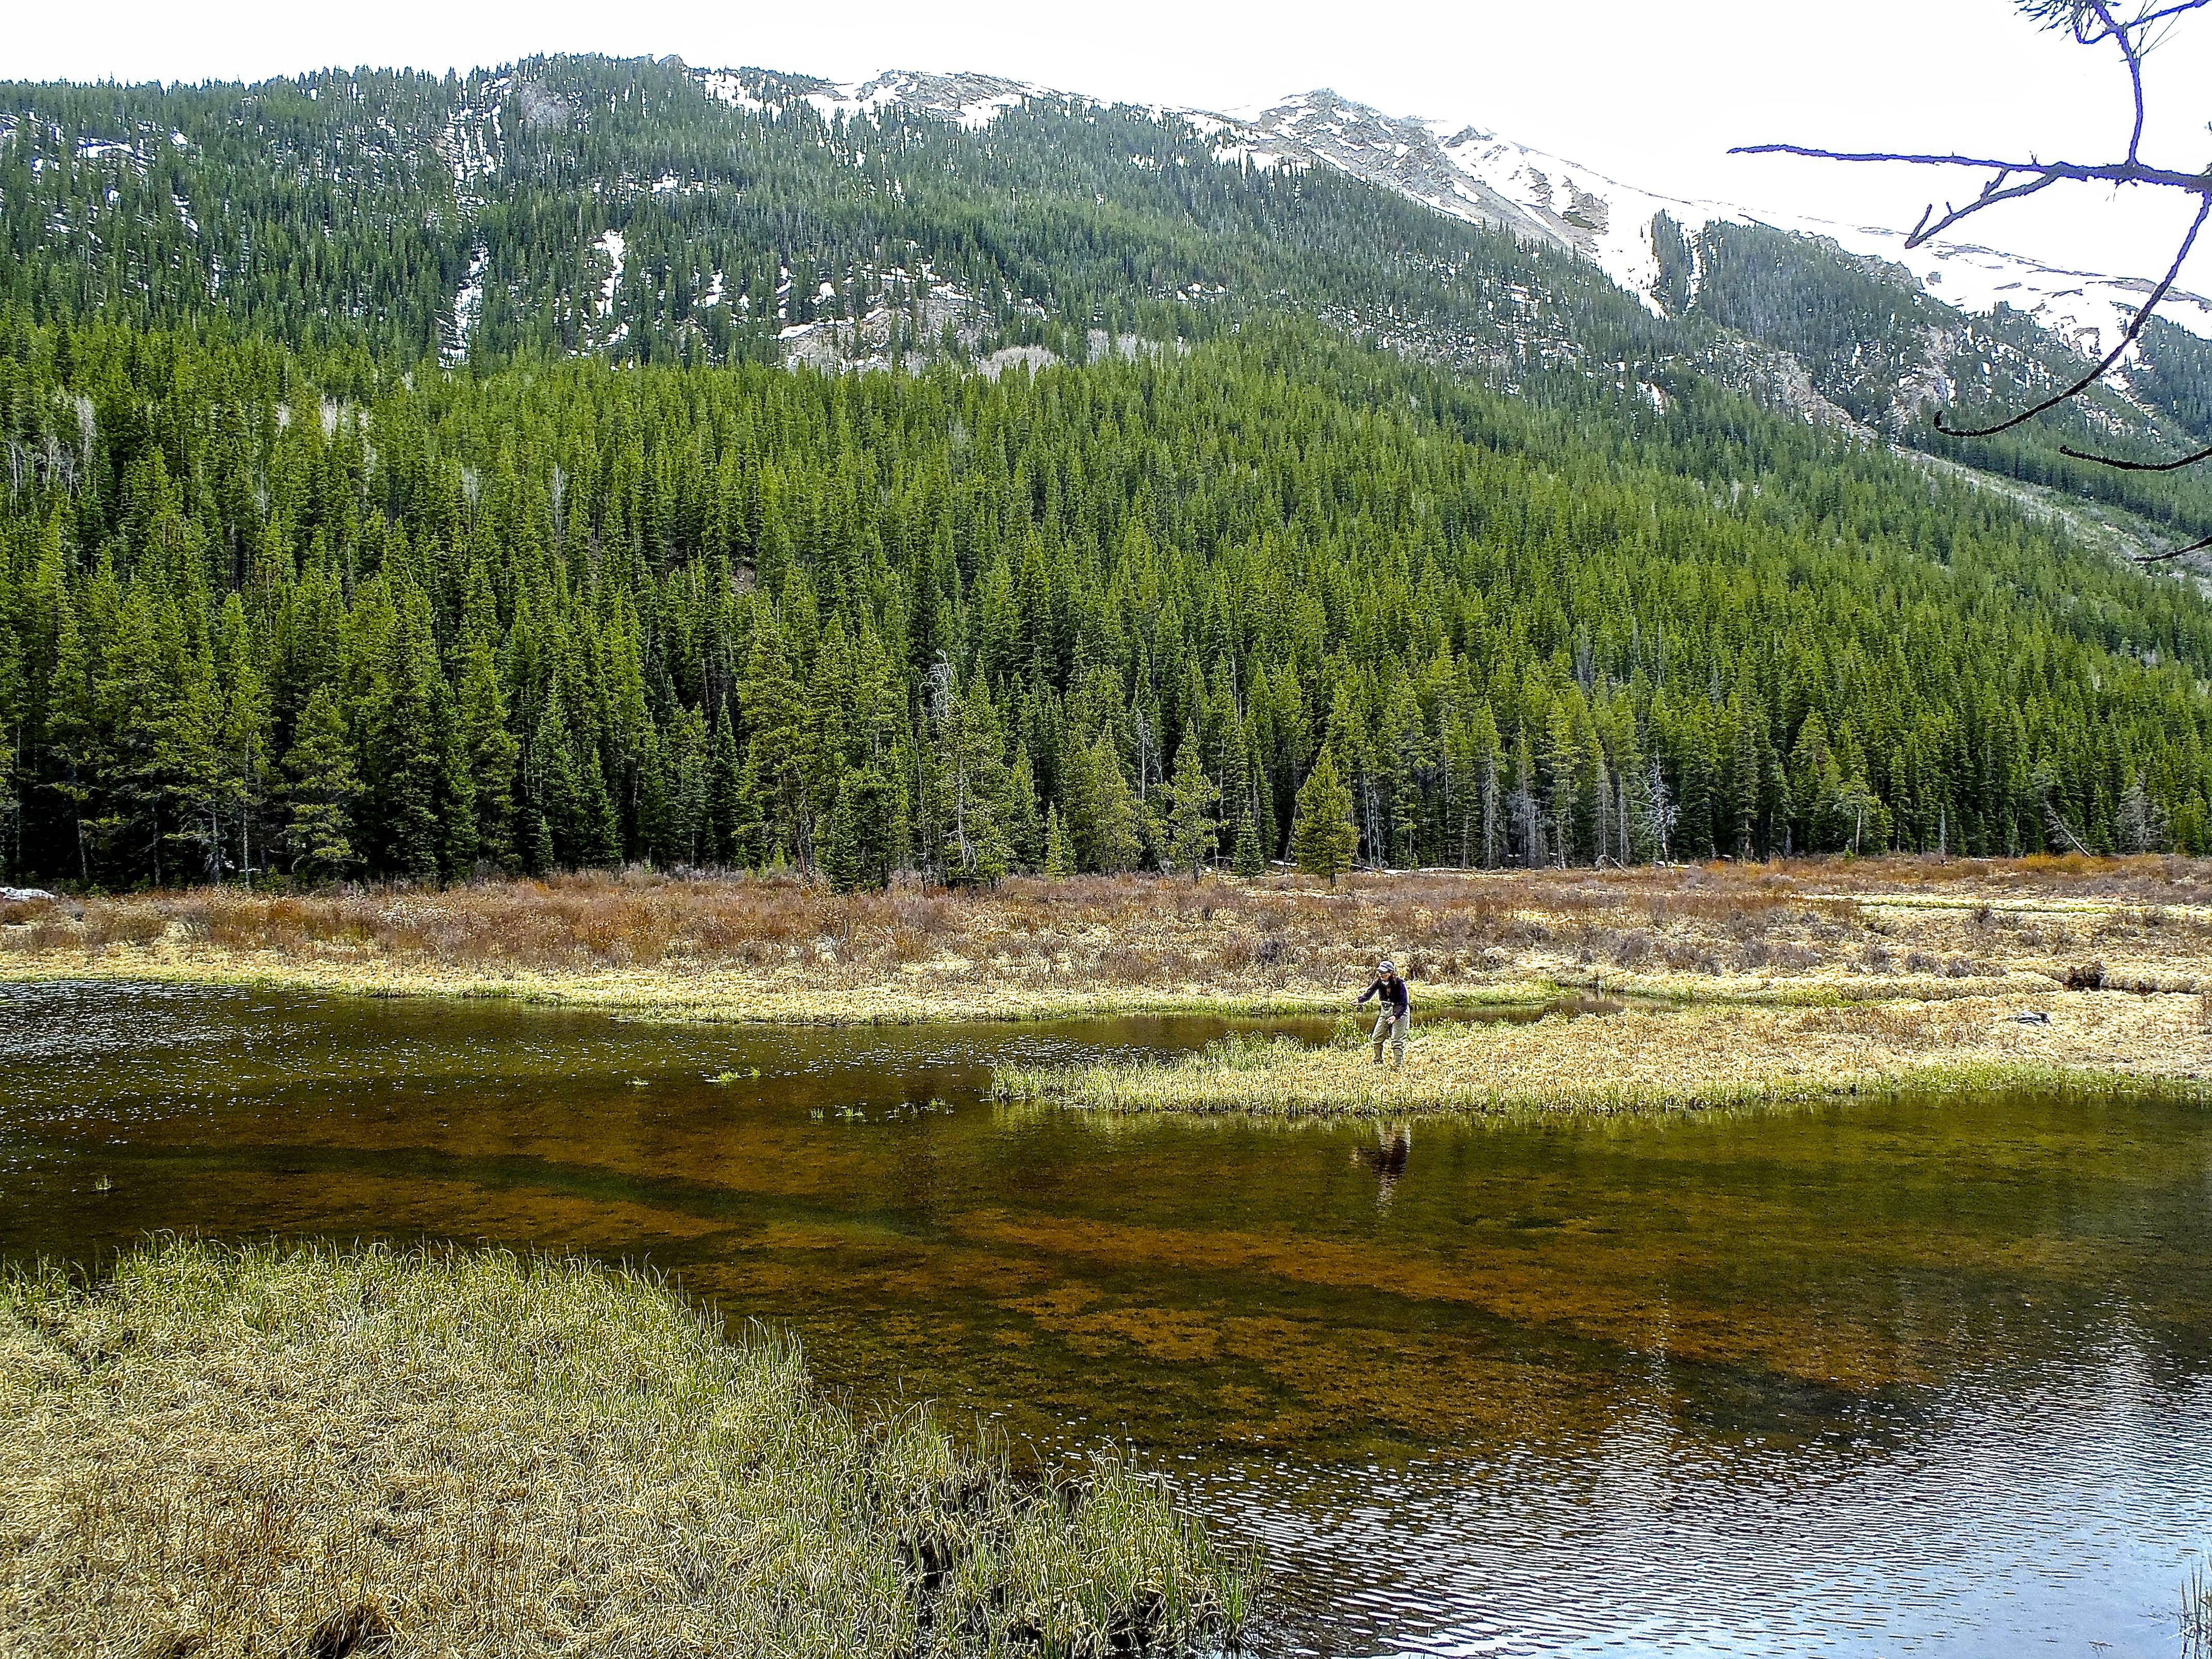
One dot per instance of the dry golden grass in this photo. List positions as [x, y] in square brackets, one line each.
[273, 1452]
[777, 949]
[1695, 1057]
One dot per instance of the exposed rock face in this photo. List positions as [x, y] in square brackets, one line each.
[1401, 153]
[543, 109]
[971, 100]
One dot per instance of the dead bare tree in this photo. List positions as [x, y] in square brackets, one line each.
[2134, 35]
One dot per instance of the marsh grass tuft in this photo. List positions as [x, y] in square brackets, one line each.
[272, 1450]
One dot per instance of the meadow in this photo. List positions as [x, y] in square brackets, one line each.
[774, 948]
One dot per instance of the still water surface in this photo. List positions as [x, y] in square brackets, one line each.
[1880, 1377]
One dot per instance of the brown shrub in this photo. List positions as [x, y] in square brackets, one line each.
[122, 924]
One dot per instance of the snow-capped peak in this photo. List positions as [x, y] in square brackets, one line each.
[1468, 172]
[1475, 174]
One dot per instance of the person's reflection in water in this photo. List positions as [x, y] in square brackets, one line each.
[1387, 1157]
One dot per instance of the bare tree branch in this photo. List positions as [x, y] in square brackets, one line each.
[2118, 466]
[2090, 23]
[1992, 193]
[2110, 172]
[2126, 42]
[2174, 553]
[2165, 14]
[2134, 328]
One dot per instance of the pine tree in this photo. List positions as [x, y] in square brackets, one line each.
[1191, 837]
[490, 751]
[725, 836]
[1249, 862]
[1324, 837]
[1059, 851]
[320, 789]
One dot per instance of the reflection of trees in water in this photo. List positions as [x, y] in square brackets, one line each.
[1388, 1157]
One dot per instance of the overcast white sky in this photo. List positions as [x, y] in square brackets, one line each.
[1653, 94]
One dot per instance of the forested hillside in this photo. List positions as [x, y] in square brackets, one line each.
[271, 612]
[594, 462]
[650, 212]
[578, 204]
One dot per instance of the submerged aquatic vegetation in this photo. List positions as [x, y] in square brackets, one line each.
[1638, 1059]
[283, 1451]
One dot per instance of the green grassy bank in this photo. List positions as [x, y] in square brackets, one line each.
[297, 1451]
[1690, 1058]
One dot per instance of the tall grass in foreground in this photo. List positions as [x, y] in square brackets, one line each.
[273, 1451]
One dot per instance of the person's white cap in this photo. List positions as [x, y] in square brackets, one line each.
[1385, 966]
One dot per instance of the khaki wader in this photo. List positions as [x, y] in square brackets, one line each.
[1392, 1027]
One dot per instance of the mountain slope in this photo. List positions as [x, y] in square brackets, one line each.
[647, 211]
[1475, 175]
[408, 477]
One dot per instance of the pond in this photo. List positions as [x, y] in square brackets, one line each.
[1876, 1377]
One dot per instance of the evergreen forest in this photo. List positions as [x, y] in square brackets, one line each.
[379, 533]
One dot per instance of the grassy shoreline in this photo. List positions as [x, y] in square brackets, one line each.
[772, 949]
[734, 1000]
[220, 1451]
[1779, 981]
[1695, 1058]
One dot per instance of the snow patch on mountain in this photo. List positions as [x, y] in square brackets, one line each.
[1470, 172]
[468, 305]
[611, 247]
[975, 101]
[1473, 174]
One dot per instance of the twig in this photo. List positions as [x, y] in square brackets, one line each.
[2134, 327]
[2173, 553]
[2128, 50]
[2110, 173]
[2117, 464]
[2090, 22]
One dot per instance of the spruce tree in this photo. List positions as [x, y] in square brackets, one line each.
[490, 750]
[1024, 824]
[723, 836]
[1250, 861]
[1059, 850]
[320, 789]
[565, 837]
[407, 764]
[458, 846]
[1191, 837]
[656, 834]
[1116, 814]
[1324, 837]
[855, 848]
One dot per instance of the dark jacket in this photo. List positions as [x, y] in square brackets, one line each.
[1392, 992]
